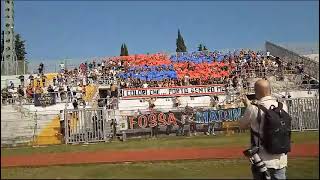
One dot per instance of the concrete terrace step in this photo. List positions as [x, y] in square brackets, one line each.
[9, 136]
[18, 140]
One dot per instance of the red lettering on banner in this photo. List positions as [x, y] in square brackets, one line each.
[172, 119]
[162, 119]
[145, 121]
[153, 120]
[131, 122]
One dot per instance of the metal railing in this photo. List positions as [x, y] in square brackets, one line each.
[304, 113]
[87, 125]
[60, 97]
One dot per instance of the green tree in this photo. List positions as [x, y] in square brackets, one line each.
[200, 48]
[181, 47]
[122, 50]
[126, 53]
[20, 47]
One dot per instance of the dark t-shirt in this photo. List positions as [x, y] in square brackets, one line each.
[50, 90]
[21, 78]
[21, 92]
[75, 104]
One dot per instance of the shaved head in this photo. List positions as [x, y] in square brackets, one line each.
[262, 88]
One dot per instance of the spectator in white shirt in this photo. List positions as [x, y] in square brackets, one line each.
[268, 55]
[79, 95]
[186, 80]
[74, 91]
[145, 85]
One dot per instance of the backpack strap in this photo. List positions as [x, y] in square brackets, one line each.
[254, 133]
[264, 109]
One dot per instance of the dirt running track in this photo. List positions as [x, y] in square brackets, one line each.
[302, 150]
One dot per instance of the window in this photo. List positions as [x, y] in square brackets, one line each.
[7, 25]
[8, 56]
[7, 32]
[8, 48]
[8, 9]
[8, 40]
[7, 16]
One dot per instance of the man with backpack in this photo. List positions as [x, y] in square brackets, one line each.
[270, 127]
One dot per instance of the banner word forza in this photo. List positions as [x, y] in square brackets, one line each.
[152, 120]
[218, 115]
[173, 91]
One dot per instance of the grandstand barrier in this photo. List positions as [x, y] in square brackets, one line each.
[311, 67]
[91, 125]
[48, 98]
[197, 90]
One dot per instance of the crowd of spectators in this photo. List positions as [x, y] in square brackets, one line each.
[233, 69]
[200, 68]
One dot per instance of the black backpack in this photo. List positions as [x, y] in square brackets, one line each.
[276, 129]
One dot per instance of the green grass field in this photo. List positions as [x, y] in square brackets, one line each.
[299, 168]
[241, 139]
[306, 168]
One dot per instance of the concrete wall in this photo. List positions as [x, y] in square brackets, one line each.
[32, 125]
[16, 128]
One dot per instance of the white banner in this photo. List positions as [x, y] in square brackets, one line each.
[172, 91]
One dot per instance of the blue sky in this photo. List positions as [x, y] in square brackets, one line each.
[79, 29]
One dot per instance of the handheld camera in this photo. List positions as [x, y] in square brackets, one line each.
[255, 160]
[251, 96]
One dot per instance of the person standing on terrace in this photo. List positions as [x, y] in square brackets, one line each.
[114, 89]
